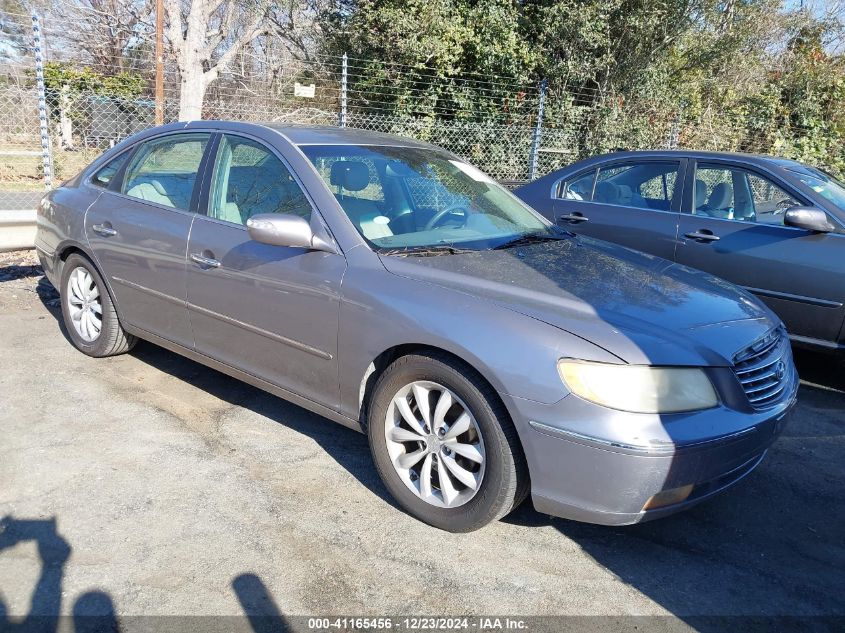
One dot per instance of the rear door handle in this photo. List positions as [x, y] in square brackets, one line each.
[104, 230]
[208, 262]
[702, 236]
[573, 218]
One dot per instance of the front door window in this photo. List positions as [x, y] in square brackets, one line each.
[736, 194]
[248, 180]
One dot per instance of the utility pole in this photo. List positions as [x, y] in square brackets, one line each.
[159, 62]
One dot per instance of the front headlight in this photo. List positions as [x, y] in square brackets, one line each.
[637, 388]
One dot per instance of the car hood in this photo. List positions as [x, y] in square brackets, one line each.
[642, 309]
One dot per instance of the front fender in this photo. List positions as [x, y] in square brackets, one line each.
[515, 353]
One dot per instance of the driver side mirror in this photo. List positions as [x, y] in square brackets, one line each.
[282, 229]
[808, 218]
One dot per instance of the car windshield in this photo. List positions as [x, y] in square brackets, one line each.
[409, 199]
[823, 184]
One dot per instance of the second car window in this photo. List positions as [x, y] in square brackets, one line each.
[249, 179]
[647, 185]
[736, 194]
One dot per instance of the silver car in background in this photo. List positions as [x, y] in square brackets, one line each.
[393, 288]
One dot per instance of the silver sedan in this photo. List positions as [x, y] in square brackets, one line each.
[396, 289]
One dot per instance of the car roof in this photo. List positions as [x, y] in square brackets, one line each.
[698, 154]
[332, 135]
[761, 160]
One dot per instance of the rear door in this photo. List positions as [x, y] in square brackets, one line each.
[138, 231]
[271, 311]
[732, 227]
[635, 203]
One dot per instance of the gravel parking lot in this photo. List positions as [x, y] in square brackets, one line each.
[148, 484]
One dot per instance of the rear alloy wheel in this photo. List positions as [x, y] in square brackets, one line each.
[444, 444]
[89, 314]
[84, 305]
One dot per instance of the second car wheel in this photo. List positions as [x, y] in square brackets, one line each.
[89, 315]
[444, 444]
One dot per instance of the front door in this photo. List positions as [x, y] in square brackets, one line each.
[138, 232]
[271, 311]
[733, 228]
[634, 203]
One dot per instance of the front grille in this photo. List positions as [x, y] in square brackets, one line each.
[764, 369]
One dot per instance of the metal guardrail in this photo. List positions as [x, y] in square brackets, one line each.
[17, 219]
[17, 229]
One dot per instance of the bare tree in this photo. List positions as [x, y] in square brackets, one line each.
[206, 36]
[104, 32]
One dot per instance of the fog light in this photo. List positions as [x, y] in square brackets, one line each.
[668, 497]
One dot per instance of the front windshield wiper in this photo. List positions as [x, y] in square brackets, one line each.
[534, 238]
[426, 251]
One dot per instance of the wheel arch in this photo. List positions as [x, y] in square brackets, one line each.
[381, 362]
[67, 249]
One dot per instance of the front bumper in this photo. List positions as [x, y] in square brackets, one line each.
[593, 464]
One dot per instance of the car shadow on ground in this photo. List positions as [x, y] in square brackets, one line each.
[347, 447]
[770, 546]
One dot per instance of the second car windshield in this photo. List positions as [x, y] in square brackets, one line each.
[823, 184]
[414, 198]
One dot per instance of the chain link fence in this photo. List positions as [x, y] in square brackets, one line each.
[490, 121]
[494, 122]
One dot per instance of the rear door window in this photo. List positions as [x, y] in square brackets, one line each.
[580, 187]
[164, 170]
[104, 176]
[645, 185]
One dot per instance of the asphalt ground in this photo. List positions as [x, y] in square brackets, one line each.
[147, 484]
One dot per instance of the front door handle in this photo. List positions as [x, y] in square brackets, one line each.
[202, 260]
[104, 229]
[703, 235]
[573, 218]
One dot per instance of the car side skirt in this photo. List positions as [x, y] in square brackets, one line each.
[817, 344]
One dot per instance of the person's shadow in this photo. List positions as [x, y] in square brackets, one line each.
[258, 604]
[93, 611]
[47, 596]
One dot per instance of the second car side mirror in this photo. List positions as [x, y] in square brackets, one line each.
[281, 229]
[808, 218]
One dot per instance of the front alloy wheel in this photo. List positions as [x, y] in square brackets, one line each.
[444, 444]
[434, 444]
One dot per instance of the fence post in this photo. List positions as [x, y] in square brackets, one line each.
[46, 154]
[342, 115]
[675, 129]
[538, 132]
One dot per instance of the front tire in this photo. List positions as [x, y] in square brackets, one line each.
[88, 311]
[444, 444]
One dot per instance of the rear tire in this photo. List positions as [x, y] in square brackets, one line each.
[88, 311]
[457, 471]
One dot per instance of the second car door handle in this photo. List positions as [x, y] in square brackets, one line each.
[104, 230]
[702, 236]
[205, 261]
[573, 218]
